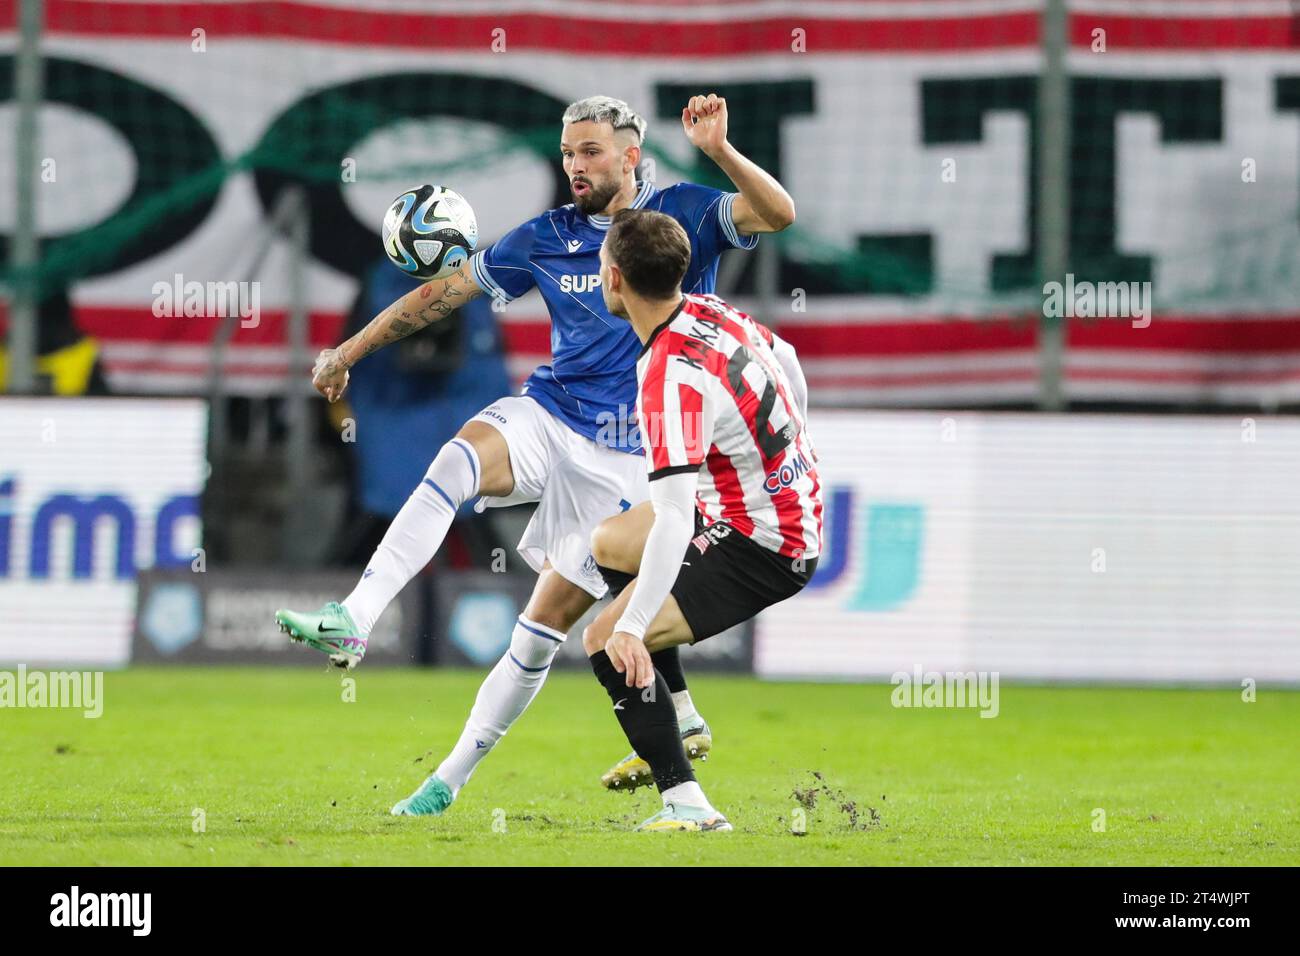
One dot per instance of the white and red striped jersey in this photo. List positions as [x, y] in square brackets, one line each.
[714, 399]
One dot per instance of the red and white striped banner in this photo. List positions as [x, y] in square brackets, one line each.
[856, 165]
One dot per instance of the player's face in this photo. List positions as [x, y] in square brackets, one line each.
[593, 161]
[613, 301]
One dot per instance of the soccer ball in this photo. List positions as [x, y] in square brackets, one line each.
[429, 232]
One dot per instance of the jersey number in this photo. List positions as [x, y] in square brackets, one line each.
[770, 442]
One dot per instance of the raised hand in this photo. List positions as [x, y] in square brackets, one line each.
[704, 120]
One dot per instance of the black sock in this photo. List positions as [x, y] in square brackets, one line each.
[669, 663]
[649, 721]
[617, 580]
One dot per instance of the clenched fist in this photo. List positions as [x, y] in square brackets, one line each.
[704, 120]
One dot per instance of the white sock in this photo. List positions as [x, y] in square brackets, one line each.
[505, 694]
[416, 533]
[687, 794]
[686, 714]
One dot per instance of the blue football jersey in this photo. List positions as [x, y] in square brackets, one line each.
[591, 381]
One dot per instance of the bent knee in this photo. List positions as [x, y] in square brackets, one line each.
[593, 639]
[496, 479]
[609, 546]
[604, 544]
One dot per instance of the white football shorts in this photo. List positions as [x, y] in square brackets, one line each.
[576, 482]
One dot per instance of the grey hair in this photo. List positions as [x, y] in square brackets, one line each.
[606, 109]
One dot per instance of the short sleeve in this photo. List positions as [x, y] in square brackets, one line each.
[503, 270]
[728, 224]
[708, 212]
[676, 420]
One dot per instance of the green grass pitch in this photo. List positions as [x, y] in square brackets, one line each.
[279, 769]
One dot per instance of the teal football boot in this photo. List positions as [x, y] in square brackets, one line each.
[430, 800]
[330, 630]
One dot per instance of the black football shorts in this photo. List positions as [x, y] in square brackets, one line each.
[725, 579]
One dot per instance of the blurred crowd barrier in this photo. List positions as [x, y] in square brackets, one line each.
[1056, 547]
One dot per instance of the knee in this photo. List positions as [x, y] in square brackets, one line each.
[551, 620]
[605, 545]
[593, 640]
[596, 634]
[532, 647]
[558, 611]
[492, 454]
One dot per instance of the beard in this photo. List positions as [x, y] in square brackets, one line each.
[596, 198]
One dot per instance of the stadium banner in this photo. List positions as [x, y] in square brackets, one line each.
[92, 492]
[903, 130]
[475, 612]
[1077, 547]
[227, 617]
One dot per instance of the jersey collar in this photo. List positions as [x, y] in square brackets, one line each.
[663, 325]
[644, 191]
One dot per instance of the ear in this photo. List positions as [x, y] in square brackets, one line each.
[631, 158]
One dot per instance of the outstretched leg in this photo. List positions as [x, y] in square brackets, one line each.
[476, 461]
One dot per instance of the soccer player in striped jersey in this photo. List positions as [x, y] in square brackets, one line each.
[617, 544]
[733, 487]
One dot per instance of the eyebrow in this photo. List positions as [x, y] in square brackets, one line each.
[585, 142]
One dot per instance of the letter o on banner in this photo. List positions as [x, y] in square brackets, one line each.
[189, 177]
[305, 144]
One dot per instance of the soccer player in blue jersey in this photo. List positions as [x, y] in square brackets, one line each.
[569, 441]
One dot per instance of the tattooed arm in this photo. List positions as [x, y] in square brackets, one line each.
[434, 300]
